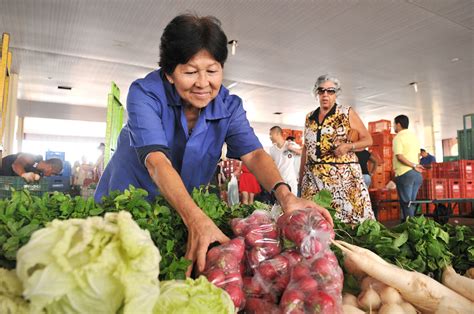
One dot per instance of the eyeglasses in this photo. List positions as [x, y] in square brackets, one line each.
[330, 90]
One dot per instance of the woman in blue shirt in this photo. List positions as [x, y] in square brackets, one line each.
[178, 120]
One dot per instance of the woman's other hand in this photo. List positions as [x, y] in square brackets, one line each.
[342, 149]
[292, 203]
[201, 233]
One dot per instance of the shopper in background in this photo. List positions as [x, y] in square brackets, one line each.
[328, 160]
[178, 120]
[30, 167]
[364, 157]
[283, 154]
[248, 184]
[297, 150]
[408, 176]
[99, 164]
[426, 158]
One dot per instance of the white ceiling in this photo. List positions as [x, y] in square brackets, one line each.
[376, 48]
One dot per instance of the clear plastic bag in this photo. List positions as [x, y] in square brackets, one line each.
[233, 191]
[223, 269]
[261, 236]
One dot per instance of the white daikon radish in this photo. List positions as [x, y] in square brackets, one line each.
[421, 291]
[369, 300]
[391, 309]
[352, 269]
[408, 308]
[350, 309]
[462, 285]
[390, 295]
[349, 299]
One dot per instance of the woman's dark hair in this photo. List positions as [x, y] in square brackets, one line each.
[402, 120]
[186, 35]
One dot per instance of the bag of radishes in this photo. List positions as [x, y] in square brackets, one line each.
[224, 267]
[261, 236]
[304, 278]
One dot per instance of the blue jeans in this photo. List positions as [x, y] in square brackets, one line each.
[367, 180]
[407, 188]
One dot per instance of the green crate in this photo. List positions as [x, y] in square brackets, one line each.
[466, 144]
[8, 194]
[450, 158]
[18, 183]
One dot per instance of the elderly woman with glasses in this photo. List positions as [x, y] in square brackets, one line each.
[333, 132]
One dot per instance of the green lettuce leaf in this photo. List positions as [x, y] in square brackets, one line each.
[192, 297]
[93, 265]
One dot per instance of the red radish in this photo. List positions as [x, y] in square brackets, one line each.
[269, 250]
[259, 306]
[280, 263]
[323, 268]
[254, 238]
[242, 268]
[213, 254]
[254, 257]
[321, 302]
[236, 247]
[281, 282]
[239, 226]
[267, 270]
[236, 294]
[228, 263]
[272, 234]
[300, 271]
[307, 285]
[234, 278]
[259, 218]
[292, 256]
[292, 300]
[216, 276]
[298, 218]
[252, 286]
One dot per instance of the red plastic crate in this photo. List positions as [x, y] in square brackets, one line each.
[455, 189]
[380, 179]
[427, 174]
[387, 165]
[435, 189]
[383, 151]
[382, 138]
[468, 189]
[465, 168]
[380, 126]
[395, 212]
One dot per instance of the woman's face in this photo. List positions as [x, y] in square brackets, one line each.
[327, 94]
[198, 81]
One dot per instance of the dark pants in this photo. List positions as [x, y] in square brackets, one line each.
[407, 188]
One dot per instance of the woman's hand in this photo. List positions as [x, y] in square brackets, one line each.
[292, 203]
[201, 233]
[342, 149]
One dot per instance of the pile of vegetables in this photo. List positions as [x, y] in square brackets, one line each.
[100, 265]
[263, 279]
[24, 213]
[279, 266]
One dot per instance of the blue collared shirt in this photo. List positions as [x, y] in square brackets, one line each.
[156, 117]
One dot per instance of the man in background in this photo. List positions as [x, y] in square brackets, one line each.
[426, 158]
[283, 154]
[408, 176]
[30, 167]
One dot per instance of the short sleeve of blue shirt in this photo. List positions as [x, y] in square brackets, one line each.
[240, 138]
[144, 115]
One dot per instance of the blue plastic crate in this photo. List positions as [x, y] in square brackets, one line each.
[51, 154]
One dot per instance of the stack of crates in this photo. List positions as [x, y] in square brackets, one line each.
[229, 167]
[453, 179]
[297, 134]
[381, 149]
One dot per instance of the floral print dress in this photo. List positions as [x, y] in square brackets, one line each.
[340, 175]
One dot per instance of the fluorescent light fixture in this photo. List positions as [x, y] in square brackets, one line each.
[232, 85]
[415, 86]
[233, 45]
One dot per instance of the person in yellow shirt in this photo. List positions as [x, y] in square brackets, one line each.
[408, 176]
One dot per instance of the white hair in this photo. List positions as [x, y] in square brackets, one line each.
[324, 78]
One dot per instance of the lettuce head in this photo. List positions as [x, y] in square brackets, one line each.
[94, 265]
